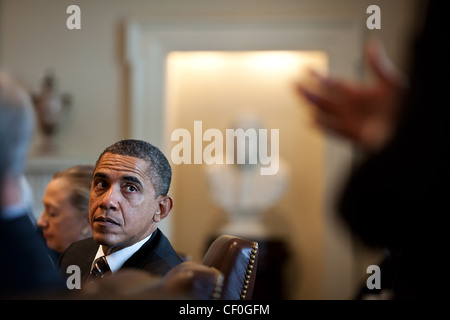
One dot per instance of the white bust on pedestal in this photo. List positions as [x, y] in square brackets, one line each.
[243, 193]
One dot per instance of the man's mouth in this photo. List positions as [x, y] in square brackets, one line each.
[105, 221]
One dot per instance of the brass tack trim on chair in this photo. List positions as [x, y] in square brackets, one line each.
[249, 271]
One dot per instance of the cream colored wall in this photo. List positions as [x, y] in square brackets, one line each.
[90, 65]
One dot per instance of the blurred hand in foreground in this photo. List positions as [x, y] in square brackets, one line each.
[366, 114]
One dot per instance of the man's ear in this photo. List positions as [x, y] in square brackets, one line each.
[165, 205]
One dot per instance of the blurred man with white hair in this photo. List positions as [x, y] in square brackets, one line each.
[26, 268]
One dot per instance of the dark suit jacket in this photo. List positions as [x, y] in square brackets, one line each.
[156, 256]
[26, 268]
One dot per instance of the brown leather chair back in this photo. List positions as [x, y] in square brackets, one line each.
[237, 259]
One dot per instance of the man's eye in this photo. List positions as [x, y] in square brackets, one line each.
[131, 188]
[101, 184]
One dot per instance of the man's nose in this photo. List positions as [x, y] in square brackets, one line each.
[110, 200]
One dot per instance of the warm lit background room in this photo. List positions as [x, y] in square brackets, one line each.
[147, 68]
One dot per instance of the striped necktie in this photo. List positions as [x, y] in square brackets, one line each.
[100, 268]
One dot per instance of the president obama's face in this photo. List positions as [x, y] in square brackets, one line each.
[123, 207]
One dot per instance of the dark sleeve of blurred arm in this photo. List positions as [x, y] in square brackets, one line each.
[397, 196]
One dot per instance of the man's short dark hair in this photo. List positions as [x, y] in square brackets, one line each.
[159, 168]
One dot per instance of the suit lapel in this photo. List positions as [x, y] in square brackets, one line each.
[89, 255]
[156, 256]
[144, 255]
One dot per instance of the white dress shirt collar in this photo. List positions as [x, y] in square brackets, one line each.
[118, 258]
